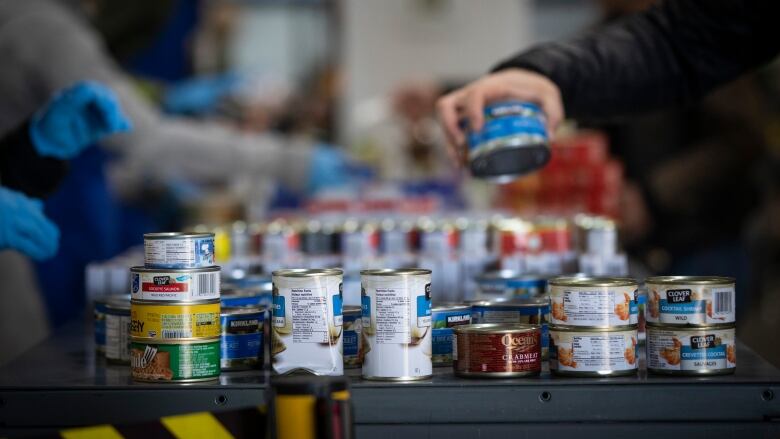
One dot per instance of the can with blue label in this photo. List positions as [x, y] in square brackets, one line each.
[242, 337]
[512, 142]
[178, 250]
[353, 324]
[510, 285]
[443, 319]
[531, 311]
[246, 297]
[676, 350]
[690, 300]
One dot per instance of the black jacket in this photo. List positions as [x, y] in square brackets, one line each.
[672, 54]
[22, 169]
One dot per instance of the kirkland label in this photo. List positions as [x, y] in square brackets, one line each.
[242, 337]
[443, 322]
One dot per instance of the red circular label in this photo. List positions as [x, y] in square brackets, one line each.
[519, 351]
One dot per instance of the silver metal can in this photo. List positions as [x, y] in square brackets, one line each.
[690, 300]
[532, 311]
[510, 285]
[178, 250]
[594, 351]
[675, 350]
[174, 284]
[242, 337]
[444, 319]
[117, 321]
[353, 323]
[495, 350]
[606, 302]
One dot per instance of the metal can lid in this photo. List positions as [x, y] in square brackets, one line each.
[308, 272]
[568, 328]
[153, 341]
[240, 310]
[351, 309]
[689, 327]
[514, 303]
[395, 272]
[593, 282]
[120, 302]
[451, 307]
[693, 280]
[495, 328]
[142, 269]
[177, 303]
[509, 275]
[177, 235]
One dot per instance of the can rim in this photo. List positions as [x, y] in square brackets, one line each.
[395, 272]
[118, 303]
[177, 235]
[145, 340]
[516, 303]
[351, 308]
[143, 269]
[240, 310]
[174, 303]
[691, 327]
[454, 307]
[593, 282]
[496, 328]
[569, 328]
[509, 275]
[307, 272]
[692, 280]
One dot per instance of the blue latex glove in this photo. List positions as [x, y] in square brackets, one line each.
[24, 227]
[199, 95]
[76, 118]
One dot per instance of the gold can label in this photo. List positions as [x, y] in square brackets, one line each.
[174, 322]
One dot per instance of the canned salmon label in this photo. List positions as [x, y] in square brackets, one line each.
[443, 320]
[353, 324]
[242, 339]
[180, 285]
[593, 351]
[691, 350]
[690, 304]
[179, 252]
[594, 306]
[174, 362]
[497, 313]
[171, 322]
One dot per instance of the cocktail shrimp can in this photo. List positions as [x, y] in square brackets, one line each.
[174, 320]
[117, 321]
[444, 318]
[495, 350]
[690, 300]
[174, 284]
[532, 311]
[307, 321]
[605, 302]
[396, 324]
[178, 250]
[593, 352]
[242, 337]
[174, 361]
[675, 350]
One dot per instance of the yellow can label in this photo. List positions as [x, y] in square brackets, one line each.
[166, 322]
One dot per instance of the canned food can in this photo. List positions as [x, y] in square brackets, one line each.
[512, 142]
[444, 319]
[174, 361]
[242, 337]
[117, 320]
[533, 311]
[178, 250]
[605, 302]
[99, 324]
[675, 350]
[511, 285]
[593, 352]
[690, 300]
[495, 350]
[174, 284]
[307, 321]
[352, 330]
[246, 298]
[396, 324]
[174, 320]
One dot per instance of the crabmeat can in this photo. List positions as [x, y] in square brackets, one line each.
[691, 351]
[396, 324]
[444, 318]
[579, 351]
[510, 285]
[174, 320]
[604, 302]
[532, 311]
[242, 337]
[307, 321]
[174, 285]
[178, 250]
[690, 300]
[174, 362]
[117, 320]
[494, 350]
[353, 323]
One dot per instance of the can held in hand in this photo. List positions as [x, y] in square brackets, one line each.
[690, 300]
[178, 250]
[494, 350]
[444, 318]
[174, 320]
[307, 321]
[353, 324]
[396, 324]
[175, 361]
[593, 352]
[174, 284]
[242, 337]
[605, 302]
[675, 350]
[117, 321]
[532, 311]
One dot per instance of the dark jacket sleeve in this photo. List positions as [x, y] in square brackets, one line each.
[669, 55]
[22, 169]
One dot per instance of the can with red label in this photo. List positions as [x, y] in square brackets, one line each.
[174, 284]
[495, 350]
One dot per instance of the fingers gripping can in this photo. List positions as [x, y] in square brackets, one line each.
[396, 324]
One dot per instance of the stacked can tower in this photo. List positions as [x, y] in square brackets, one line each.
[175, 310]
[691, 325]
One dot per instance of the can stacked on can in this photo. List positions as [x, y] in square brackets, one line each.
[175, 310]
[691, 324]
[593, 330]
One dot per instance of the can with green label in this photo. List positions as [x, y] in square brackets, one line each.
[175, 361]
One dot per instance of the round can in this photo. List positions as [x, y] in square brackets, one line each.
[244, 297]
[494, 350]
[690, 300]
[605, 302]
[675, 350]
[512, 142]
[532, 311]
[593, 352]
[242, 337]
[509, 284]
[99, 324]
[178, 250]
[352, 328]
[444, 318]
[174, 320]
[396, 324]
[174, 284]
[307, 321]
[117, 320]
[174, 361]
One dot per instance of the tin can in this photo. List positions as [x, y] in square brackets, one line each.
[396, 324]
[690, 300]
[675, 350]
[352, 330]
[532, 311]
[174, 361]
[512, 142]
[509, 284]
[605, 302]
[242, 337]
[494, 350]
[174, 320]
[307, 321]
[593, 352]
[444, 318]
[178, 250]
[117, 320]
[174, 285]
[99, 324]
[245, 297]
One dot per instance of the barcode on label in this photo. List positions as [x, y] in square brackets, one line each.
[170, 333]
[205, 284]
[722, 302]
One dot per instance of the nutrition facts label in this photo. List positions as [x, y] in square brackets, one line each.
[392, 316]
[309, 309]
[179, 251]
[597, 352]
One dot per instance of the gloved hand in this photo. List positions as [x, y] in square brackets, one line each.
[24, 227]
[75, 118]
[199, 95]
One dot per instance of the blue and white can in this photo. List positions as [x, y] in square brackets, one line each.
[443, 319]
[244, 297]
[532, 311]
[353, 324]
[242, 337]
[178, 250]
[510, 285]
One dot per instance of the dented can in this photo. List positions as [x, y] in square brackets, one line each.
[178, 250]
[444, 318]
[675, 350]
[174, 361]
[605, 302]
[493, 350]
[690, 300]
[307, 321]
[533, 311]
[353, 324]
[174, 284]
[593, 352]
[174, 320]
[242, 337]
[396, 328]
[117, 321]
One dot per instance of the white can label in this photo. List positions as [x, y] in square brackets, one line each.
[591, 351]
[118, 337]
[179, 252]
[594, 306]
[691, 349]
[690, 304]
[174, 286]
